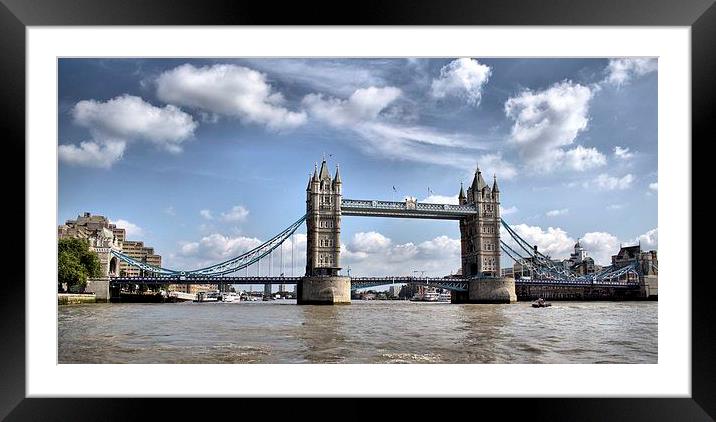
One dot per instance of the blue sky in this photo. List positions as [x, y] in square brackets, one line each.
[203, 159]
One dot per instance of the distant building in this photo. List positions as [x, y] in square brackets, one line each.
[579, 263]
[647, 260]
[101, 233]
[95, 228]
[135, 249]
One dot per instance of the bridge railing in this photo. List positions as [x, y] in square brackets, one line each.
[578, 282]
[367, 205]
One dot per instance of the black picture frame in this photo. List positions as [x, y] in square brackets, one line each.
[16, 15]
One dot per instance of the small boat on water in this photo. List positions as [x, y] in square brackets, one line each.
[230, 297]
[426, 297]
[540, 303]
[214, 296]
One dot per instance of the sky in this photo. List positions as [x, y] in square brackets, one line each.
[204, 159]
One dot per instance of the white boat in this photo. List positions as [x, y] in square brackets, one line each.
[230, 297]
[214, 296]
[426, 297]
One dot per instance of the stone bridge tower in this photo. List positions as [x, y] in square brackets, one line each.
[322, 284]
[480, 234]
[480, 246]
[323, 221]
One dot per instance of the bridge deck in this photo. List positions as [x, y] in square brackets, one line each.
[362, 281]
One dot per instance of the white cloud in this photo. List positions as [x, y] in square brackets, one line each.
[546, 121]
[464, 78]
[496, 165]
[92, 154]
[206, 214]
[228, 90]
[614, 207]
[622, 71]
[218, 247]
[555, 213]
[363, 105]
[130, 118]
[131, 229]
[554, 242]
[375, 255]
[170, 211]
[441, 199]
[508, 211]
[622, 153]
[649, 240]
[369, 242]
[654, 186]
[364, 113]
[236, 214]
[124, 119]
[215, 248]
[600, 246]
[606, 182]
[337, 77]
[580, 158]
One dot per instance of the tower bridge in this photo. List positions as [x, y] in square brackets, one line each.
[478, 215]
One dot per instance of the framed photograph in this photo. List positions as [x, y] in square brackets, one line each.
[206, 198]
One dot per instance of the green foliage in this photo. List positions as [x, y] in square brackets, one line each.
[75, 263]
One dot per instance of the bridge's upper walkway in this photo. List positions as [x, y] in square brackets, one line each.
[405, 209]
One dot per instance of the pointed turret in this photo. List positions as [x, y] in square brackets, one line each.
[309, 182]
[473, 185]
[494, 184]
[323, 173]
[315, 172]
[337, 179]
[461, 196]
[478, 182]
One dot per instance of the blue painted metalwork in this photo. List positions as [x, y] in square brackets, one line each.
[545, 269]
[226, 267]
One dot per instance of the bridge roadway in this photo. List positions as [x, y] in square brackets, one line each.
[450, 283]
[377, 281]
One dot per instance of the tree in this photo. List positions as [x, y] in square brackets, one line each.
[70, 271]
[75, 263]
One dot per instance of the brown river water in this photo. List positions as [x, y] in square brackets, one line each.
[363, 332]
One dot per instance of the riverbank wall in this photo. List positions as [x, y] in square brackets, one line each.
[74, 298]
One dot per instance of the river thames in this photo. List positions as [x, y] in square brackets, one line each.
[363, 332]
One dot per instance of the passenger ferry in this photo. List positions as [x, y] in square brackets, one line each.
[426, 296]
[230, 297]
[214, 296]
[445, 297]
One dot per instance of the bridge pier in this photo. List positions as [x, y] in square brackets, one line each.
[324, 290]
[487, 290]
[100, 287]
